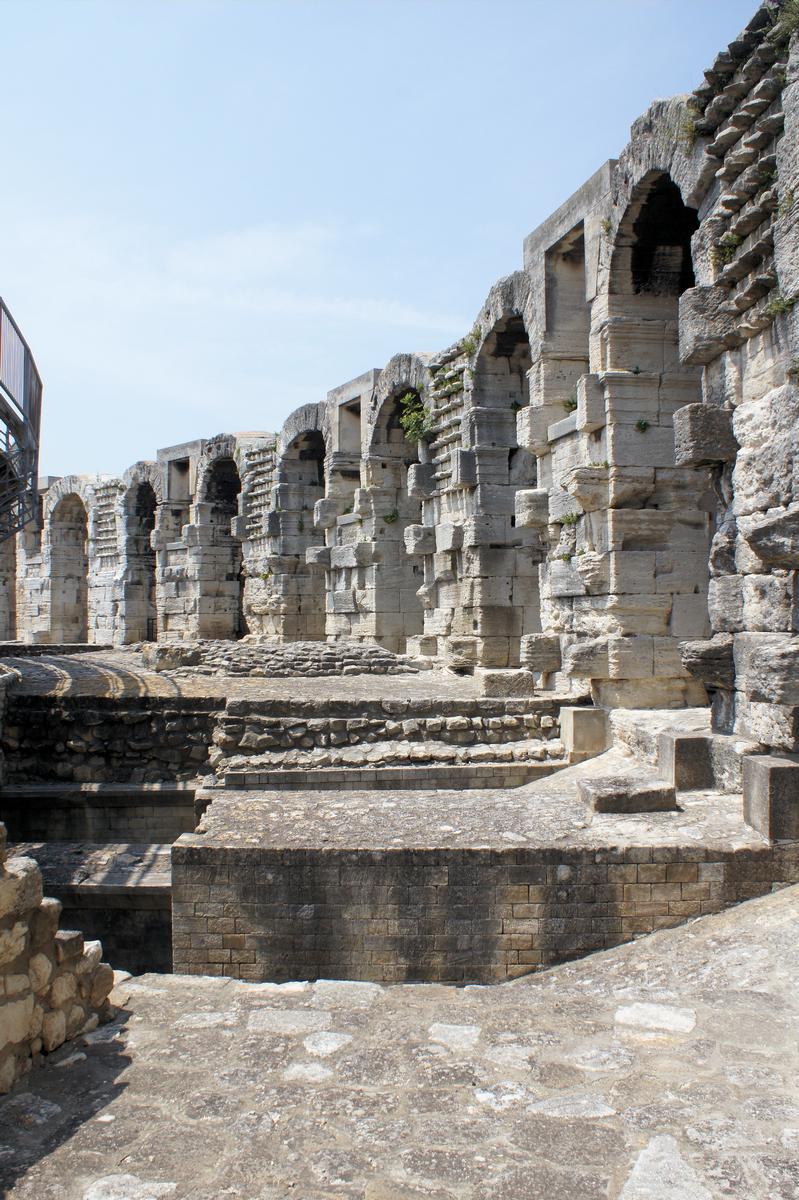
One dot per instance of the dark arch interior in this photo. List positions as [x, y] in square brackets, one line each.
[224, 486]
[304, 460]
[661, 248]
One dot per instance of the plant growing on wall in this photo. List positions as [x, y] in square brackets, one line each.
[415, 418]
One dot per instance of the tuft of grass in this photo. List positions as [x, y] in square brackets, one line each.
[778, 305]
[688, 127]
[570, 518]
[470, 343]
[786, 23]
[392, 517]
[642, 424]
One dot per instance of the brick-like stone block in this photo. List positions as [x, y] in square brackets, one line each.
[624, 794]
[771, 795]
[703, 434]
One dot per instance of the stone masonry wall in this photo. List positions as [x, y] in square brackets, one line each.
[456, 915]
[52, 984]
[82, 740]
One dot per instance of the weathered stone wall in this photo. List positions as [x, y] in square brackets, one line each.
[52, 984]
[87, 740]
[538, 514]
[454, 915]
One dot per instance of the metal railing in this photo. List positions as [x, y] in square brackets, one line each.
[20, 420]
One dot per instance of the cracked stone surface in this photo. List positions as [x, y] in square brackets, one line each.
[546, 812]
[662, 1070]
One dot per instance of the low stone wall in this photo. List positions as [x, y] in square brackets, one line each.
[52, 984]
[98, 812]
[440, 915]
[105, 740]
[253, 727]
[275, 659]
[134, 927]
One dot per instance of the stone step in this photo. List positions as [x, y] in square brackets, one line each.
[117, 892]
[339, 764]
[98, 812]
[450, 775]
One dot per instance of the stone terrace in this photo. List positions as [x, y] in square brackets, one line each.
[662, 1070]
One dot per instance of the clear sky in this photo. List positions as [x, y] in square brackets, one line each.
[213, 211]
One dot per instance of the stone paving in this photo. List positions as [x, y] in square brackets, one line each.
[662, 1070]
[546, 812]
[122, 673]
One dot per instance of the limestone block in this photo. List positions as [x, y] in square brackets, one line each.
[588, 486]
[685, 760]
[630, 657]
[420, 539]
[685, 571]
[101, 985]
[485, 530]
[443, 568]
[593, 570]
[775, 537]
[711, 661]
[703, 434]
[532, 426]
[584, 731]
[768, 603]
[590, 403]
[689, 617]
[355, 554]
[485, 427]
[725, 603]
[625, 794]
[767, 667]
[62, 990]
[448, 537]
[587, 658]
[15, 1017]
[540, 652]
[771, 795]
[481, 592]
[342, 602]
[667, 661]
[326, 512]
[632, 571]
[488, 622]
[40, 970]
[518, 682]
[708, 323]
[421, 480]
[532, 508]
[20, 887]
[630, 486]
[318, 557]
[12, 942]
[630, 446]
[767, 431]
[463, 469]
[44, 922]
[54, 1030]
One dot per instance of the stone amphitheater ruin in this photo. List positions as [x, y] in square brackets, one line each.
[486, 661]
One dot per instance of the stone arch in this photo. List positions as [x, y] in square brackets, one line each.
[141, 499]
[221, 569]
[391, 503]
[67, 523]
[652, 248]
[300, 471]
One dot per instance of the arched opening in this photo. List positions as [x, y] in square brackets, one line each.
[301, 482]
[221, 606]
[644, 384]
[499, 582]
[141, 617]
[393, 610]
[653, 251]
[69, 571]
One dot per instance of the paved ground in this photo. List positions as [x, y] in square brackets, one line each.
[663, 1070]
[547, 812]
[122, 673]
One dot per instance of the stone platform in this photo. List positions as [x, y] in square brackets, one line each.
[661, 1070]
[451, 885]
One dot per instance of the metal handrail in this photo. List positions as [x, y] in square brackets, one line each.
[20, 422]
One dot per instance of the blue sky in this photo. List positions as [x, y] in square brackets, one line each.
[212, 212]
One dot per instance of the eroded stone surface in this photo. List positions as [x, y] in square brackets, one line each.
[534, 1088]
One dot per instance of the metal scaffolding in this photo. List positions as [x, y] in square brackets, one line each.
[20, 418]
